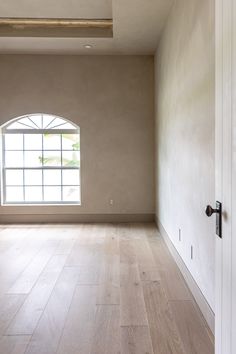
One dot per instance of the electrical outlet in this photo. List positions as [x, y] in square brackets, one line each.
[111, 201]
[191, 252]
[180, 236]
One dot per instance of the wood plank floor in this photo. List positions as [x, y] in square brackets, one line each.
[95, 289]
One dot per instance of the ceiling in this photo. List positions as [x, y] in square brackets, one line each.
[137, 25]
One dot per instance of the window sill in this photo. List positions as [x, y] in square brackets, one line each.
[39, 205]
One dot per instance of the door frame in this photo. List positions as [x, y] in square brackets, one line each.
[225, 138]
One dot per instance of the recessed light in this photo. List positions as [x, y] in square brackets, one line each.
[88, 46]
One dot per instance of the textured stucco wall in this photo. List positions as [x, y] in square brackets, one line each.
[184, 66]
[111, 98]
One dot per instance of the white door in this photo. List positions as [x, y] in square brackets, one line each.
[225, 309]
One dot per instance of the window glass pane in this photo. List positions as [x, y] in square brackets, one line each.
[36, 119]
[14, 194]
[52, 158]
[70, 142]
[33, 177]
[51, 142]
[47, 119]
[65, 126]
[33, 158]
[52, 194]
[71, 158]
[33, 141]
[13, 141]
[71, 194]
[14, 177]
[58, 122]
[17, 125]
[33, 194]
[52, 177]
[14, 159]
[71, 177]
[26, 123]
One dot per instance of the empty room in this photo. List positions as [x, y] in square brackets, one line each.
[118, 177]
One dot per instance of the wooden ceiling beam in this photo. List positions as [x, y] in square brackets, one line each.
[55, 27]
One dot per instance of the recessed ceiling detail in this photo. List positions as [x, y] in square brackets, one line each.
[137, 25]
[51, 27]
[56, 8]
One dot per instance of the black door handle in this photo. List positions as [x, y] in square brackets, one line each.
[218, 211]
[210, 211]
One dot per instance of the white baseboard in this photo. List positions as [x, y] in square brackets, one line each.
[195, 290]
[74, 218]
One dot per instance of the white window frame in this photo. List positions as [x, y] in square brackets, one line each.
[4, 168]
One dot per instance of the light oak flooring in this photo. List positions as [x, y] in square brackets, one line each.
[94, 289]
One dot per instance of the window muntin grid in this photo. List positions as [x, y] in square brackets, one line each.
[41, 163]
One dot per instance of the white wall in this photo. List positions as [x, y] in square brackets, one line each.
[111, 98]
[185, 169]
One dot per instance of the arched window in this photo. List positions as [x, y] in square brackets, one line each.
[41, 161]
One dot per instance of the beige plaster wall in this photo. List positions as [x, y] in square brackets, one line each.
[111, 98]
[185, 171]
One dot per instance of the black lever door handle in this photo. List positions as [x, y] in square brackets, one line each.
[210, 211]
[218, 211]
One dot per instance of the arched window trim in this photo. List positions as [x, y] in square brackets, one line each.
[6, 128]
[56, 129]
